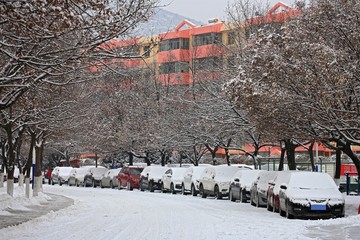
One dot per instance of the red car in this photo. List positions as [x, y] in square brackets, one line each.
[274, 188]
[129, 177]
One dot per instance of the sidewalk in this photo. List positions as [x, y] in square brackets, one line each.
[16, 217]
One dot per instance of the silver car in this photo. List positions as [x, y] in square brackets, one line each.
[109, 178]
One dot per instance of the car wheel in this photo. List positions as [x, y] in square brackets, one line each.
[202, 192]
[287, 214]
[183, 192]
[119, 186]
[52, 182]
[60, 183]
[231, 196]
[101, 185]
[217, 192]
[128, 186]
[163, 188]
[151, 187]
[257, 202]
[172, 190]
[273, 206]
[76, 183]
[268, 207]
[193, 191]
[141, 187]
[111, 185]
[242, 196]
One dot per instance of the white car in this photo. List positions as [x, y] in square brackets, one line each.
[192, 179]
[172, 179]
[215, 181]
[60, 175]
[108, 178]
[310, 194]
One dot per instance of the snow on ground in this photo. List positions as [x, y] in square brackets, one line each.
[113, 214]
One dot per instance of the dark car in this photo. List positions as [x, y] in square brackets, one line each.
[93, 176]
[259, 188]
[150, 178]
[310, 194]
[129, 177]
[241, 183]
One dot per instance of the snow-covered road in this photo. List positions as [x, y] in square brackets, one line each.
[113, 214]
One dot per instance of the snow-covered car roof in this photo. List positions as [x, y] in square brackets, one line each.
[248, 177]
[264, 178]
[225, 173]
[154, 171]
[113, 172]
[178, 173]
[310, 180]
[64, 171]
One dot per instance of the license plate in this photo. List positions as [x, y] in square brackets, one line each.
[318, 207]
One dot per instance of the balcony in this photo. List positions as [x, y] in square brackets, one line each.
[176, 55]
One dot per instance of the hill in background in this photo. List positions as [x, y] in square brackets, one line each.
[162, 21]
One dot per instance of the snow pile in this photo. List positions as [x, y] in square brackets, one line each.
[19, 201]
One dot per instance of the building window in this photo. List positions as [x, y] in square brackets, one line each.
[130, 51]
[209, 63]
[147, 51]
[174, 67]
[208, 38]
[231, 38]
[172, 44]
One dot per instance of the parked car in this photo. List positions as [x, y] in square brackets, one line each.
[191, 179]
[310, 194]
[274, 188]
[150, 178]
[60, 175]
[108, 176]
[71, 180]
[129, 177]
[215, 181]
[172, 179]
[77, 175]
[259, 188]
[93, 176]
[241, 183]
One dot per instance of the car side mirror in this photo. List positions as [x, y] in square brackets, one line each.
[283, 186]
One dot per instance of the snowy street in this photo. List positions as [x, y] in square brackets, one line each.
[113, 214]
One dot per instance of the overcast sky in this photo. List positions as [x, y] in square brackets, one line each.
[203, 10]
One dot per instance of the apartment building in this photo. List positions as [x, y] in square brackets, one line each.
[192, 53]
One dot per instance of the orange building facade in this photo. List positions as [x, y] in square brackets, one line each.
[188, 53]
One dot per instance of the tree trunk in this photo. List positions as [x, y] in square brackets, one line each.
[27, 187]
[227, 153]
[10, 153]
[38, 159]
[311, 155]
[10, 187]
[290, 153]
[147, 159]
[1, 179]
[348, 151]
[282, 158]
[131, 158]
[21, 179]
[337, 166]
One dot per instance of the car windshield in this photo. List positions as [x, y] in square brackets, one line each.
[135, 171]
